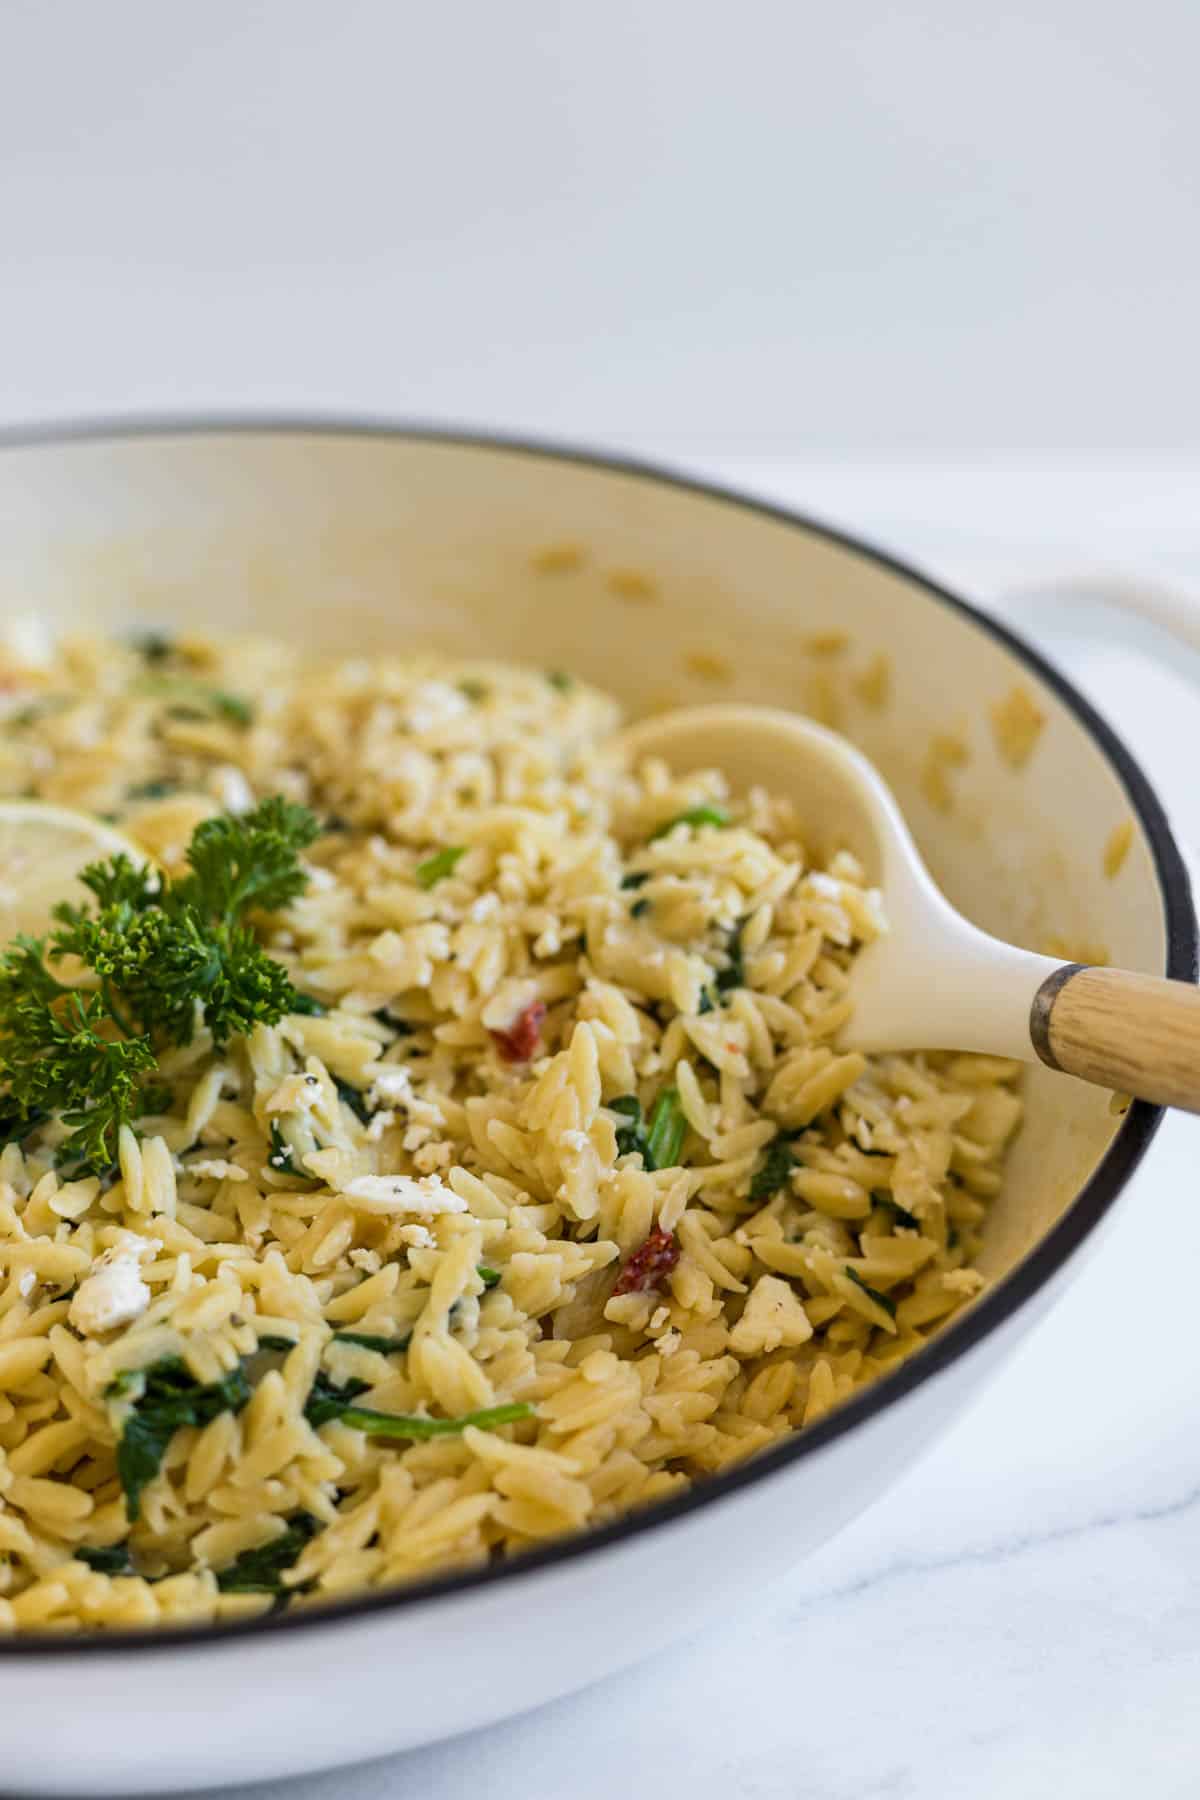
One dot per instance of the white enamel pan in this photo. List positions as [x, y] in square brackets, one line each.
[667, 592]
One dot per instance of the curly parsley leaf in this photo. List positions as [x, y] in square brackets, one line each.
[248, 860]
[161, 955]
[58, 1055]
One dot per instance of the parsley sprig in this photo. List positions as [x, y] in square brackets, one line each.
[161, 956]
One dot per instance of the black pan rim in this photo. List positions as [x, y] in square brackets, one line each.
[950, 1345]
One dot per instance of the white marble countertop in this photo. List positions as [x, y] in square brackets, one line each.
[1021, 1615]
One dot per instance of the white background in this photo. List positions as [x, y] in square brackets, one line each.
[766, 226]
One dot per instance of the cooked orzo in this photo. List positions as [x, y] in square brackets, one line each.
[453, 1153]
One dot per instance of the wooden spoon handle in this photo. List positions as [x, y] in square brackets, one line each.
[1137, 1034]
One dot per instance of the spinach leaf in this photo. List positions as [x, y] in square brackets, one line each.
[193, 699]
[775, 1170]
[631, 1137]
[665, 1131]
[889, 1306]
[106, 1559]
[261, 1571]
[733, 975]
[153, 647]
[167, 1397]
[151, 790]
[900, 1213]
[415, 1426]
[280, 1155]
[659, 1139]
[329, 1400]
[435, 868]
[368, 1340]
[695, 816]
[232, 707]
[354, 1098]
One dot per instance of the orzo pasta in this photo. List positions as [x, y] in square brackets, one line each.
[557, 1172]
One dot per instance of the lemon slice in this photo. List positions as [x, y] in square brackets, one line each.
[42, 850]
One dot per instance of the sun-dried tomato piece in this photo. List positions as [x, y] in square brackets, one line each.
[649, 1265]
[518, 1043]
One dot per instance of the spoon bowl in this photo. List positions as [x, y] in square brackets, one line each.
[933, 980]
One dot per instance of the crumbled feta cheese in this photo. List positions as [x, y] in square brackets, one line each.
[380, 1122]
[510, 1000]
[576, 1140]
[668, 1343]
[434, 703]
[403, 1194]
[369, 1261]
[773, 1317]
[391, 1084]
[229, 786]
[963, 1281]
[215, 1168]
[26, 1283]
[658, 1318]
[417, 1237]
[432, 1157]
[113, 1293]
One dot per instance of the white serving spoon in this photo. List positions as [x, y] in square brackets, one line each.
[934, 981]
